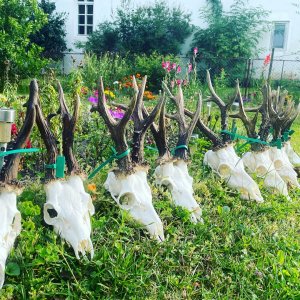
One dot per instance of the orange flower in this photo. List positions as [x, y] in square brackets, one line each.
[92, 187]
[138, 75]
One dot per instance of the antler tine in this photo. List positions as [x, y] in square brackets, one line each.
[10, 170]
[249, 124]
[142, 124]
[215, 98]
[217, 142]
[194, 119]
[175, 116]
[62, 102]
[69, 124]
[140, 94]
[102, 107]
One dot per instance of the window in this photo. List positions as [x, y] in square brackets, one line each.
[279, 37]
[85, 16]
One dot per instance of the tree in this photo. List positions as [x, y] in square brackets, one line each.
[51, 37]
[230, 37]
[142, 30]
[18, 20]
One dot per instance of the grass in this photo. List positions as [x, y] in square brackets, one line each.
[244, 250]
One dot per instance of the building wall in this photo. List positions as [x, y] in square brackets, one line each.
[280, 10]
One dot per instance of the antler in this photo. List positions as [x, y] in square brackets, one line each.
[142, 121]
[10, 170]
[282, 114]
[224, 108]
[158, 131]
[248, 123]
[69, 124]
[116, 128]
[48, 138]
[185, 131]
[217, 142]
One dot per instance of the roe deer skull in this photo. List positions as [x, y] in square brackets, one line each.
[175, 176]
[68, 208]
[230, 167]
[283, 166]
[292, 155]
[132, 193]
[261, 164]
[10, 227]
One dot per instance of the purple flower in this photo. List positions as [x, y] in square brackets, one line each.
[195, 50]
[93, 99]
[117, 114]
[178, 69]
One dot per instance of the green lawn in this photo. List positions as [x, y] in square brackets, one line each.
[244, 250]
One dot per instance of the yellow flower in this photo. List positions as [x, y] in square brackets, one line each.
[2, 98]
[92, 187]
[110, 94]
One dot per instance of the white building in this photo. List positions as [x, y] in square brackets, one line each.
[84, 16]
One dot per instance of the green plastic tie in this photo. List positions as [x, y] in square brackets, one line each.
[109, 160]
[2, 154]
[179, 147]
[51, 166]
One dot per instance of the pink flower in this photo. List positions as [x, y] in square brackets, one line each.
[178, 69]
[174, 66]
[190, 68]
[178, 81]
[165, 64]
[195, 50]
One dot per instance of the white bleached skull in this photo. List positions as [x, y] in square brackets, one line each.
[175, 176]
[283, 166]
[133, 194]
[292, 155]
[261, 164]
[68, 208]
[10, 228]
[230, 167]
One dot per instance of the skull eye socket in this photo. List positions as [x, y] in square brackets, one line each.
[52, 212]
[127, 201]
[224, 170]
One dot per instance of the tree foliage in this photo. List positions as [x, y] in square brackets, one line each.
[142, 30]
[229, 35]
[20, 19]
[52, 35]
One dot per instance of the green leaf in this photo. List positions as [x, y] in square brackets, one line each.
[12, 269]
[280, 257]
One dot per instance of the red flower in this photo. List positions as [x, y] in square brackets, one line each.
[14, 129]
[28, 144]
[267, 60]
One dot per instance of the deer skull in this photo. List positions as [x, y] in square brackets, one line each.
[292, 155]
[283, 166]
[261, 164]
[175, 176]
[10, 227]
[133, 194]
[231, 168]
[68, 208]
